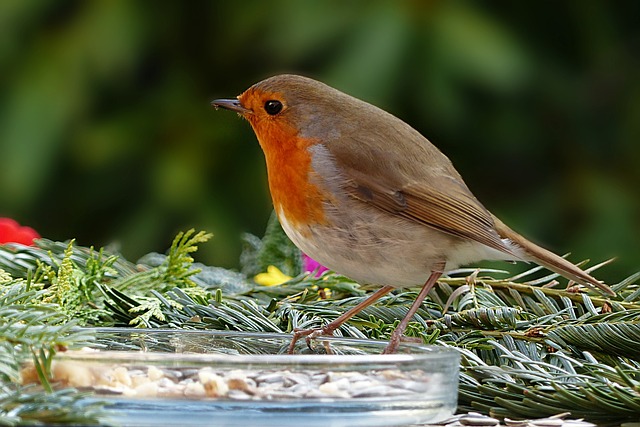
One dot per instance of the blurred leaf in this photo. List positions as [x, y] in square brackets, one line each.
[274, 248]
[379, 42]
[477, 48]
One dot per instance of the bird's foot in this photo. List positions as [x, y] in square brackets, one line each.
[395, 341]
[310, 335]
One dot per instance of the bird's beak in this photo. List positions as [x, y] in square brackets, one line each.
[230, 104]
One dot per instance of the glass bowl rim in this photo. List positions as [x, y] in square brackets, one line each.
[417, 352]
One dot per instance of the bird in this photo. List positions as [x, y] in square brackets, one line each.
[366, 195]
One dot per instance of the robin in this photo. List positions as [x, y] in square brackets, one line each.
[366, 195]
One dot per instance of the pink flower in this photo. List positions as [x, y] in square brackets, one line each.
[12, 232]
[310, 265]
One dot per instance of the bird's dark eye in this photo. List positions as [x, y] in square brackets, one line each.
[273, 107]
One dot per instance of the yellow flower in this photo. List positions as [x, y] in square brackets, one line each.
[273, 277]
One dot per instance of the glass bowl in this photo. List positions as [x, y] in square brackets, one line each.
[177, 377]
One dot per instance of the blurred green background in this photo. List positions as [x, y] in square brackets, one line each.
[106, 133]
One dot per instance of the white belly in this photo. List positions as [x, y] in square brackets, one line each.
[375, 248]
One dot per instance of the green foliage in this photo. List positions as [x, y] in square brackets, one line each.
[174, 270]
[65, 286]
[273, 249]
[521, 354]
[33, 330]
[67, 406]
[616, 333]
[529, 347]
[72, 289]
[515, 379]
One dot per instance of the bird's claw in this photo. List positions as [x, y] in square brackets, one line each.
[395, 341]
[309, 334]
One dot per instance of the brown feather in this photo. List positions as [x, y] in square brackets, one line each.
[552, 261]
[461, 216]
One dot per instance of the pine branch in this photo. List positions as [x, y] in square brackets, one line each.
[33, 330]
[29, 406]
[529, 347]
[174, 270]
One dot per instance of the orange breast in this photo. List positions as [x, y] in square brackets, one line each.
[288, 168]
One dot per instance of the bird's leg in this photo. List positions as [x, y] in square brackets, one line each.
[396, 336]
[329, 328]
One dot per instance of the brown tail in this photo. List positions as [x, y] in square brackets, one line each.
[552, 261]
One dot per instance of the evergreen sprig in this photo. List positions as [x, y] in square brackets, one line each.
[34, 330]
[529, 347]
[173, 270]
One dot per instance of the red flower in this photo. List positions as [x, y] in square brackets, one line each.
[12, 232]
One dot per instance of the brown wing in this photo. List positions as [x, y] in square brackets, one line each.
[388, 164]
[456, 212]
